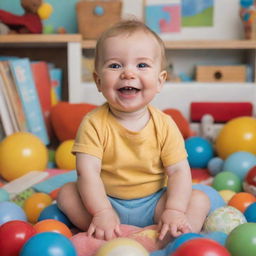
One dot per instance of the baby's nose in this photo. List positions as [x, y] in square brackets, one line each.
[127, 74]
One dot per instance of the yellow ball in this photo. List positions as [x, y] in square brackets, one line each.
[21, 153]
[35, 204]
[239, 134]
[45, 11]
[63, 157]
[227, 194]
[122, 246]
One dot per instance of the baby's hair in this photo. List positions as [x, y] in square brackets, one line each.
[128, 27]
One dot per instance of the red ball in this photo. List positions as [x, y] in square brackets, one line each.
[13, 235]
[250, 177]
[201, 247]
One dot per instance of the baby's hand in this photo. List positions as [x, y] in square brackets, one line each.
[105, 225]
[173, 221]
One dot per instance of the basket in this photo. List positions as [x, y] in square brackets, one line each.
[93, 17]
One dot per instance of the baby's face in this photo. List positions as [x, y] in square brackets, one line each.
[129, 72]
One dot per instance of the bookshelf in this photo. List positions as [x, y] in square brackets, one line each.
[66, 51]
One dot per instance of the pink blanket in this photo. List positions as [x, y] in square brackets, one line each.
[147, 236]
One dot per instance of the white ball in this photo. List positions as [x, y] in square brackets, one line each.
[224, 219]
[122, 246]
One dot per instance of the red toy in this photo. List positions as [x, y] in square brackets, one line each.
[201, 247]
[29, 22]
[13, 235]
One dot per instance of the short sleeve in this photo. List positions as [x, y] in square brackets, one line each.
[173, 146]
[89, 138]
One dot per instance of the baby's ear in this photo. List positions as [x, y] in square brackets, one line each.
[161, 79]
[97, 80]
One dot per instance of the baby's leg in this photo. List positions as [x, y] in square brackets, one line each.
[197, 211]
[69, 201]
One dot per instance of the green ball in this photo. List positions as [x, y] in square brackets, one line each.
[242, 240]
[227, 181]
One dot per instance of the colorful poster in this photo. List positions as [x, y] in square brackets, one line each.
[197, 13]
[163, 16]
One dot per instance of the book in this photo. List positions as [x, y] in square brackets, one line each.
[42, 80]
[56, 81]
[13, 97]
[4, 111]
[25, 84]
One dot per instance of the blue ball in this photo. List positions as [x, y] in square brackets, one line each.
[214, 166]
[246, 3]
[250, 213]
[11, 211]
[99, 10]
[199, 150]
[184, 238]
[218, 236]
[53, 212]
[239, 163]
[4, 195]
[48, 244]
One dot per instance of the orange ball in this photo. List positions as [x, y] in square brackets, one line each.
[242, 200]
[51, 225]
[35, 204]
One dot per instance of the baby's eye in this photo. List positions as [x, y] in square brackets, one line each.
[143, 65]
[114, 65]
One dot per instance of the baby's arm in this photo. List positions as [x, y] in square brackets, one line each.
[179, 190]
[105, 222]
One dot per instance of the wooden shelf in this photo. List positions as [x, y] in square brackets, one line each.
[195, 44]
[39, 39]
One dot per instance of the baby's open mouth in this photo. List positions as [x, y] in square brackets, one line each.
[128, 90]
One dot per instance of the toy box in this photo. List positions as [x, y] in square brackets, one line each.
[93, 17]
[221, 73]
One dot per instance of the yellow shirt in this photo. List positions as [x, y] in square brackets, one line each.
[132, 162]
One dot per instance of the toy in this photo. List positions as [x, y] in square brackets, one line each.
[250, 213]
[53, 212]
[200, 151]
[63, 157]
[122, 246]
[227, 181]
[215, 165]
[34, 205]
[48, 244]
[10, 211]
[201, 247]
[242, 200]
[21, 153]
[4, 195]
[227, 194]
[249, 184]
[44, 11]
[241, 241]
[218, 236]
[224, 219]
[239, 134]
[13, 235]
[29, 22]
[51, 225]
[239, 163]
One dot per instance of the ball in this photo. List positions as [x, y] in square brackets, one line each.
[34, 205]
[215, 165]
[223, 219]
[201, 247]
[53, 212]
[250, 213]
[11, 211]
[249, 184]
[63, 157]
[48, 244]
[4, 195]
[13, 235]
[242, 200]
[45, 11]
[241, 241]
[122, 246]
[239, 163]
[227, 181]
[218, 236]
[239, 134]
[199, 150]
[227, 194]
[21, 153]
[52, 226]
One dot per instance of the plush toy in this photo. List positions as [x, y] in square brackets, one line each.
[29, 22]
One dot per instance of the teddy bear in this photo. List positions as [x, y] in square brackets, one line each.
[29, 22]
